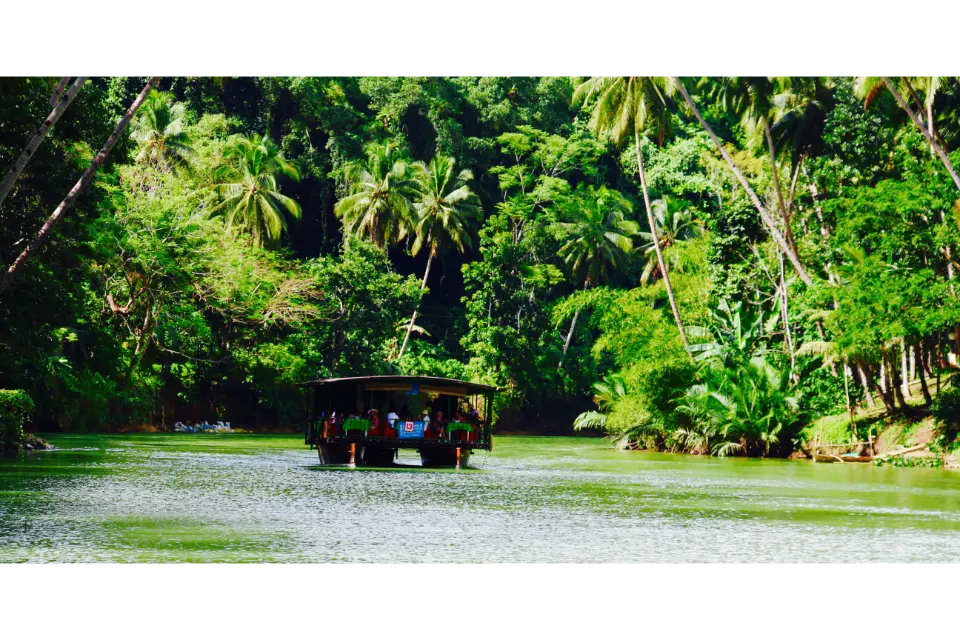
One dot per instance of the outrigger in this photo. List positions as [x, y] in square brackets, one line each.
[367, 420]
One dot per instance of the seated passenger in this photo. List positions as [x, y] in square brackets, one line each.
[426, 423]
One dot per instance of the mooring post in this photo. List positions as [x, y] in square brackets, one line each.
[353, 454]
[458, 457]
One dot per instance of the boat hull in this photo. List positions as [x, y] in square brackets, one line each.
[443, 457]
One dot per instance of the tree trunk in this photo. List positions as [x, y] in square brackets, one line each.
[904, 370]
[884, 394]
[868, 396]
[58, 91]
[788, 233]
[655, 234]
[846, 393]
[59, 107]
[923, 375]
[7, 278]
[933, 143]
[566, 343]
[143, 340]
[413, 318]
[573, 325]
[764, 215]
[895, 382]
[786, 318]
[912, 360]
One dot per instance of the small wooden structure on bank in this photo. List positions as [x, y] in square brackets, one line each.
[368, 419]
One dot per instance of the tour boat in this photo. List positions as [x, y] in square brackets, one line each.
[367, 420]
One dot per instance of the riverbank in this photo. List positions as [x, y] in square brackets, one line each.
[888, 434]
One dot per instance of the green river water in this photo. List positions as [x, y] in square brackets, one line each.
[261, 498]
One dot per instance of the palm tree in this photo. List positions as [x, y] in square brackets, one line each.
[59, 106]
[868, 88]
[382, 192]
[159, 130]
[798, 129]
[764, 214]
[675, 225]
[606, 394]
[248, 182]
[753, 100]
[37, 243]
[600, 237]
[624, 105]
[446, 211]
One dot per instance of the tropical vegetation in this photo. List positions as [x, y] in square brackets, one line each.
[692, 264]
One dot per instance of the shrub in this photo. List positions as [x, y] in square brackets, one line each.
[946, 411]
[15, 408]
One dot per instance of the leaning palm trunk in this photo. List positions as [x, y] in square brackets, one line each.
[929, 136]
[764, 215]
[58, 91]
[573, 325]
[784, 213]
[413, 318]
[37, 243]
[59, 107]
[784, 312]
[655, 235]
[566, 343]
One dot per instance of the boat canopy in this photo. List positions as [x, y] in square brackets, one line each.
[426, 384]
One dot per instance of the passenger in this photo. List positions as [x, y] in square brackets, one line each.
[439, 424]
[426, 422]
[392, 419]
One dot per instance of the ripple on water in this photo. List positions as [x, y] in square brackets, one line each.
[264, 499]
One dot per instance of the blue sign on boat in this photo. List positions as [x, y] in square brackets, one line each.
[414, 390]
[410, 429]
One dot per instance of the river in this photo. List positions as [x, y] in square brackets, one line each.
[263, 498]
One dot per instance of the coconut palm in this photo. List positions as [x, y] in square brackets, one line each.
[629, 105]
[868, 88]
[798, 131]
[248, 183]
[159, 129]
[446, 212]
[753, 100]
[382, 193]
[599, 237]
[764, 214]
[675, 224]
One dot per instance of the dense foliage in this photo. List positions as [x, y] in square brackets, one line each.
[714, 263]
[15, 409]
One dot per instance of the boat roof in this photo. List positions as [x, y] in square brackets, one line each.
[431, 381]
